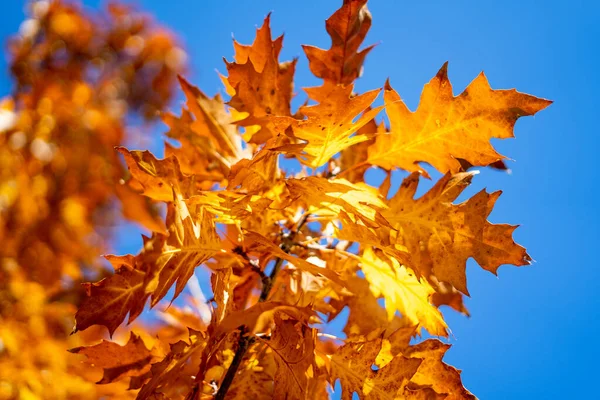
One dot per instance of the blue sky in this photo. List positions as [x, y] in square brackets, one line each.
[526, 337]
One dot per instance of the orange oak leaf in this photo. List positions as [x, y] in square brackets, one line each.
[434, 373]
[445, 128]
[212, 121]
[164, 262]
[441, 236]
[196, 155]
[353, 364]
[293, 345]
[331, 125]
[193, 241]
[229, 207]
[342, 63]
[110, 300]
[253, 384]
[353, 160]
[256, 317]
[354, 231]
[367, 319]
[157, 178]
[256, 174]
[118, 362]
[165, 375]
[258, 83]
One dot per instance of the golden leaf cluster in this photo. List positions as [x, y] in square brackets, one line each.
[289, 249]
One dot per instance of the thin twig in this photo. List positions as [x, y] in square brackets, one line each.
[245, 339]
[244, 343]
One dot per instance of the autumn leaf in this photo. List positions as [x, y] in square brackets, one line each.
[445, 128]
[259, 313]
[166, 373]
[212, 121]
[290, 248]
[164, 263]
[403, 292]
[252, 384]
[433, 372]
[353, 364]
[367, 319]
[192, 242]
[110, 300]
[355, 231]
[441, 236]
[293, 344]
[342, 63]
[353, 159]
[157, 178]
[229, 207]
[257, 174]
[259, 85]
[118, 362]
[331, 125]
[335, 195]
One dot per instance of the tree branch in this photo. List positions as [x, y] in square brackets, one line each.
[245, 339]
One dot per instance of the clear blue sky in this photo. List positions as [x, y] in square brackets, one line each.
[528, 331]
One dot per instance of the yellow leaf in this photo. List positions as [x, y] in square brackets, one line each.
[335, 195]
[403, 292]
[139, 209]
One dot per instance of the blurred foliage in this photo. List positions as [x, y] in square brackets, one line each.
[80, 79]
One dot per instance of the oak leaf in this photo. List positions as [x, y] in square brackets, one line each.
[157, 178]
[347, 27]
[110, 300]
[256, 317]
[256, 174]
[445, 128]
[212, 121]
[229, 207]
[118, 362]
[331, 196]
[441, 236]
[166, 375]
[433, 372]
[403, 292]
[367, 319]
[293, 345]
[259, 85]
[139, 209]
[193, 241]
[259, 243]
[331, 125]
[353, 365]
